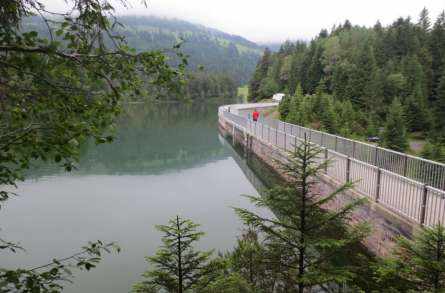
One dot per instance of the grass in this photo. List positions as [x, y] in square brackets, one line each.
[243, 91]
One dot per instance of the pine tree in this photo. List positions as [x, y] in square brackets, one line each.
[302, 226]
[284, 107]
[178, 267]
[346, 115]
[295, 115]
[323, 108]
[341, 75]
[417, 114]
[440, 107]
[412, 70]
[424, 20]
[315, 69]
[347, 25]
[438, 52]
[268, 88]
[328, 117]
[231, 283]
[299, 90]
[362, 76]
[260, 73]
[394, 134]
[417, 265]
[247, 260]
[434, 150]
[418, 117]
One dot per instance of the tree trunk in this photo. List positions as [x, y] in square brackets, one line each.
[302, 249]
[180, 279]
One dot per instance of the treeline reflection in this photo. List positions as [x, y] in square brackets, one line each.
[151, 139]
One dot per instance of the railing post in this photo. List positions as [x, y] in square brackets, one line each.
[322, 139]
[348, 169]
[246, 145]
[233, 133]
[423, 206]
[335, 145]
[326, 159]
[379, 180]
[262, 131]
[353, 149]
[376, 157]
[405, 165]
[276, 136]
[285, 148]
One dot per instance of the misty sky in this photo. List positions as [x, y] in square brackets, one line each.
[278, 20]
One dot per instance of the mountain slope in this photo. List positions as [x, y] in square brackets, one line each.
[216, 51]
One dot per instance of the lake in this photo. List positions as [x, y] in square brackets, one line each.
[166, 160]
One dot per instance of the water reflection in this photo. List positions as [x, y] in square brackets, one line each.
[152, 139]
[166, 160]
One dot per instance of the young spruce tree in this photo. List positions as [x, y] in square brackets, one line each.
[394, 134]
[178, 267]
[418, 265]
[284, 107]
[440, 109]
[312, 236]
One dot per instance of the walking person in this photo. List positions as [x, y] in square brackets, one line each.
[255, 115]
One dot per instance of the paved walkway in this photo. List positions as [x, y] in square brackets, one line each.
[236, 108]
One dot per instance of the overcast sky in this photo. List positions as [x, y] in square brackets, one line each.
[278, 20]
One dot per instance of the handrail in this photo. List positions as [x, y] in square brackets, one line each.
[429, 172]
[404, 195]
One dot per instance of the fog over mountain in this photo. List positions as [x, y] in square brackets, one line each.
[266, 21]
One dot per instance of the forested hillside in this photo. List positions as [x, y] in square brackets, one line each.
[216, 51]
[355, 81]
[217, 62]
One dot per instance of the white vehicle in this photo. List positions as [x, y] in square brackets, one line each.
[278, 97]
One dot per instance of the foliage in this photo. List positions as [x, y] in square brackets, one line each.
[302, 233]
[368, 67]
[56, 94]
[284, 107]
[248, 260]
[204, 85]
[52, 276]
[434, 150]
[259, 75]
[394, 134]
[178, 267]
[232, 283]
[418, 265]
[216, 51]
[440, 108]
[59, 88]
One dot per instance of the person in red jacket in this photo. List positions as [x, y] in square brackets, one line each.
[255, 115]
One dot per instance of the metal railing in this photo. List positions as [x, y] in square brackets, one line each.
[419, 169]
[405, 196]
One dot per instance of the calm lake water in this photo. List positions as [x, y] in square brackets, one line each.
[166, 160]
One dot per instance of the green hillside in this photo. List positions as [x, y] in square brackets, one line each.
[357, 81]
[216, 51]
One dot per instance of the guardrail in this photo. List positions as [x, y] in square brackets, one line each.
[407, 197]
[419, 169]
